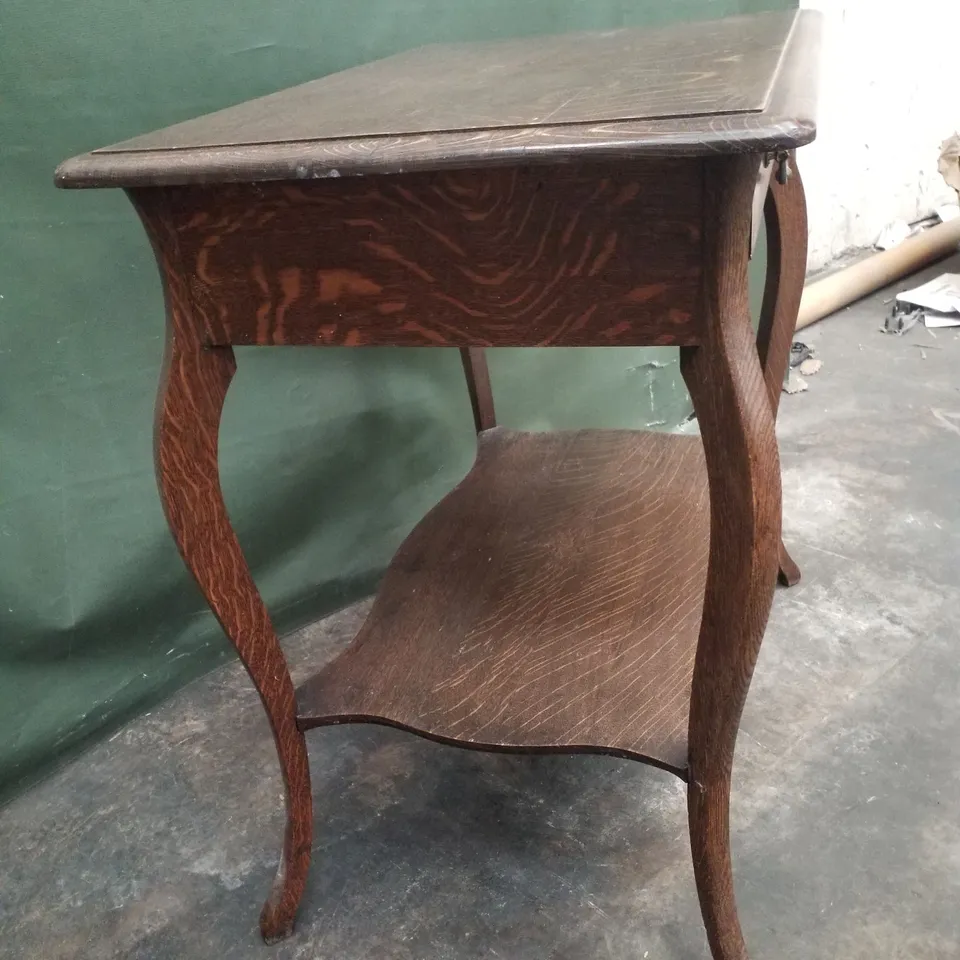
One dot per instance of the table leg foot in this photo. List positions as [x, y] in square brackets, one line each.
[709, 814]
[273, 928]
[279, 912]
[789, 573]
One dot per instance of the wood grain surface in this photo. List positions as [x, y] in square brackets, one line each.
[523, 256]
[728, 86]
[634, 73]
[785, 216]
[189, 403]
[732, 405]
[551, 602]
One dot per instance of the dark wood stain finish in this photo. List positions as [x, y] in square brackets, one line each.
[527, 610]
[602, 591]
[632, 73]
[694, 106]
[517, 256]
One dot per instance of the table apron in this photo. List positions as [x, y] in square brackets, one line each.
[573, 255]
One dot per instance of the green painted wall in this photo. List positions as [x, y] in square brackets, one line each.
[328, 457]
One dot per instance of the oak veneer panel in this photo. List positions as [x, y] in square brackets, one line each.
[552, 601]
[744, 84]
[634, 73]
[576, 255]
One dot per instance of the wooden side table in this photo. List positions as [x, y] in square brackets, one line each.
[594, 591]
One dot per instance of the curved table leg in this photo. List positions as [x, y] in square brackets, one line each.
[192, 391]
[730, 398]
[785, 217]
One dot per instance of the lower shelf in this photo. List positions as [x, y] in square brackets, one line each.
[551, 602]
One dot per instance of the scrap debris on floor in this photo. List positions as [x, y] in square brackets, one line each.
[935, 303]
[803, 363]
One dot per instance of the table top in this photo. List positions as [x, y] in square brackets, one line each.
[734, 85]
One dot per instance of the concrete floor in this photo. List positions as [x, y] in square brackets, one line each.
[161, 843]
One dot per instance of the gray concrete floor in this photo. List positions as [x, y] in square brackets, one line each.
[162, 842]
